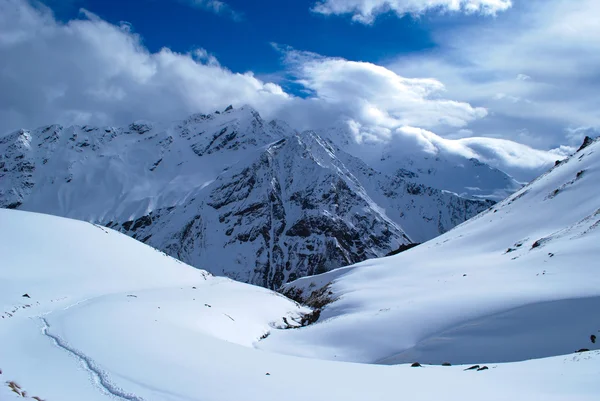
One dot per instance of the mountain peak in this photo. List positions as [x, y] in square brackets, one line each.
[587, 141]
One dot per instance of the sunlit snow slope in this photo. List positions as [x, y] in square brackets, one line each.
[90, 314]
[519, 281]
[67, 286]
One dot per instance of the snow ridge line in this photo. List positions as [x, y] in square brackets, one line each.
[99, 376]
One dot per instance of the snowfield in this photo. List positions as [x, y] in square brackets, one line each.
[519, 281]
[91, 314]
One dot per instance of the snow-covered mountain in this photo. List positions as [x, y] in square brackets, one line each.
[228, 192]
[458, 166]
[517, 282]
[90, 314]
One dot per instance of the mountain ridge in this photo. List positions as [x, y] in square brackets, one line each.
[228, 192]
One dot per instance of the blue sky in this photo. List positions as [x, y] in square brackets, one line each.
[244, 43]
[518, 70]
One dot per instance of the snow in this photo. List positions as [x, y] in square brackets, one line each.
[57, 274]
[142, 167]
[519, 281]
[222, 192]
[108, 318]
[112, 319]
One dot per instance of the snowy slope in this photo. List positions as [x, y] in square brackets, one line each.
[519, 281]
[62, 278]
[108, 318]
[229, 192]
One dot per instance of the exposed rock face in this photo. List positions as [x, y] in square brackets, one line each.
[587, 141]
[227, 192]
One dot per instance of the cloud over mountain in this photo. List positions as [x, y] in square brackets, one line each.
[90, 71]
[365, 11]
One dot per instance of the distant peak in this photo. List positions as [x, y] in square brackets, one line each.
[281, 125]
[250, 110]
[198, 117]
[141, 126]
[587, 141]
[245, 109]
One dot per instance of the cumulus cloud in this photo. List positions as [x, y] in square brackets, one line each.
[375, 96]
[216, 6]
[552, 47]
[90, 71]
[577, 135]
[520, 161]
[365, 11]
[382, 110]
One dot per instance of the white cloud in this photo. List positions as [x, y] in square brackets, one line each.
[384, 109]
[204, 57]
[577, 135]
[552, 47]
[520, 161]
[90, 71]
[510, 156]
[376, 96]
[365, 11]
[216, 6]
[504, 96]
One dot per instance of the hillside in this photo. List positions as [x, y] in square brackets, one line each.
[90, 314]
[519, 281]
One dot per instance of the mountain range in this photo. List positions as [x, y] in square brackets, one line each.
[242, 197]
